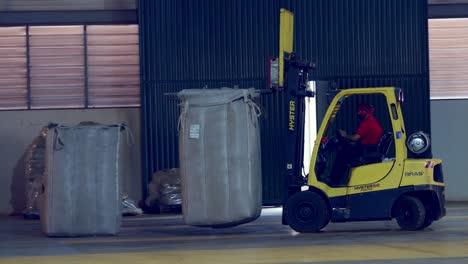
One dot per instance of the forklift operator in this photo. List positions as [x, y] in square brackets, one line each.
[369, 131]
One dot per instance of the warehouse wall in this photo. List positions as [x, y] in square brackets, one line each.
[48, 5]
[61, 5]
[446, 2]
[448, 64]
[367, 44]
[450, 144]
[18, 129]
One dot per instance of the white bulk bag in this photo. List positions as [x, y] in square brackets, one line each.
[81, 183]
[220, 157]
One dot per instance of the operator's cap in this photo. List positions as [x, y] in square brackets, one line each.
[366, 107]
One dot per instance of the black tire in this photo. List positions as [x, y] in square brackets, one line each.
[307, 212]
[429, 218]
[410, 213]
[427, 222]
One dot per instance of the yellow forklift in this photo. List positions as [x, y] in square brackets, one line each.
[383, 183]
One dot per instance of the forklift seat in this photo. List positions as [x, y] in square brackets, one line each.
[384, 143]
[376, 153]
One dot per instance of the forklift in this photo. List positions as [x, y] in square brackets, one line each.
[393, 179]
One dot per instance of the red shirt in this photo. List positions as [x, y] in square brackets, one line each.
[370, 131]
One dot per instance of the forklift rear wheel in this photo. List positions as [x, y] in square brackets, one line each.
[307, 212]
[429, 218]
[410, 213]
[427, 222]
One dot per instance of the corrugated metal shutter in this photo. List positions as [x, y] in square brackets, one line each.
[190, 44]
[448, 41]
[57, 67]
[13, 73]
[113, 66]
[362, 37]
[368, 43]
[65, 5]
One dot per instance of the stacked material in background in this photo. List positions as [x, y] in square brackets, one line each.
[35, 168]
[164, 192]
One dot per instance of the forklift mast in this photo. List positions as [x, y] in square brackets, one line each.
[295, 88]
[292, 77]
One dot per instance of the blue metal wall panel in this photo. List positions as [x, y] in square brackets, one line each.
[363, 37]
[193, 44]
[190, 44]
[209, 40]
[368, 43]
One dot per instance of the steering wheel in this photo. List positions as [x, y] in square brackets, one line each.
[327, 155]
[342, 140]
[339, 137]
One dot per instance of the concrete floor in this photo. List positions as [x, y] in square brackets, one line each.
[165, 239]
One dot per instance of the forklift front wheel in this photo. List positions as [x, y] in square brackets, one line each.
[307, 212]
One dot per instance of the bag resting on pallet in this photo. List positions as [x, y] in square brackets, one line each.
[81, 184]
